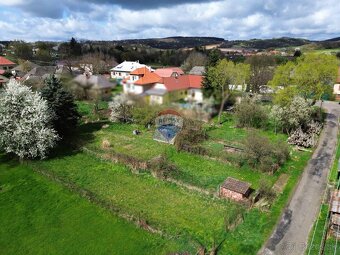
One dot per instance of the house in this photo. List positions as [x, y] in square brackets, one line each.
[197, 70]
[336, 88]
[35, 78]
[235, 189]
[6, 64]
[124, 69]
[169, 72]
[19, 71]
[171, 89]
[139, 81]
[335, 213]
[95, 86]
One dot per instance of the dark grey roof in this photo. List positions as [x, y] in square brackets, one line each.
[335, 204]
[30, 65]
[40, 72]
[236, 185]
[94, 81]
[197, 70]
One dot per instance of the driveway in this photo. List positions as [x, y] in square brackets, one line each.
[290, 236]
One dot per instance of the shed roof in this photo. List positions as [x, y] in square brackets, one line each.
[336, 219]
[335, 202]
[236, 185]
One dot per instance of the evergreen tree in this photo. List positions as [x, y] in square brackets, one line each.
[62, 106]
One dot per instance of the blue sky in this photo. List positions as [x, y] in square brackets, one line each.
[33, 20]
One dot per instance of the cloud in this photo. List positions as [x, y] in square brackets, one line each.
[109, 19]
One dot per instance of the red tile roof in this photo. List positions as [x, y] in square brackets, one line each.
[167, 72]
[146, 77]
[236, 185]
[2, 72]
[182, 82]
[6, 62]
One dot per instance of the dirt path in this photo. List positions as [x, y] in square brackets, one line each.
[290, 236]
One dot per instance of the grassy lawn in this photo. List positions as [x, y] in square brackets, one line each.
[178, 212]
[40, 217]
[163, 205]
[194, 169]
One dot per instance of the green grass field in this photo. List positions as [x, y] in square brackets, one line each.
[40, 217]
[189, 217]
[163, 205]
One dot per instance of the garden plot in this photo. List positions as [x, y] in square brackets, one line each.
[41, 217]
[164, 206]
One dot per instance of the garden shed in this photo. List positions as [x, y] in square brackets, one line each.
[335, 213]
[235, 189]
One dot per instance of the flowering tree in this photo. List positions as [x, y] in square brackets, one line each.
[292, 116]
[121, 109]
[24, 122]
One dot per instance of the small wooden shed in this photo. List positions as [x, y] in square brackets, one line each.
[335, 213]
[235, 189]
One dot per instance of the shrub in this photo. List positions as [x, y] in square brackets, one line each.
[265, 190]
[191, 135]
[161, 167]
[261, 153]
[144, 114]
[249, 113]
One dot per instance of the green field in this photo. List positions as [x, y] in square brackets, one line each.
[40, 217]
[188, 218]
[163, 205]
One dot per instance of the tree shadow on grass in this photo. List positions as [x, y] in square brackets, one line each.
[74, 144]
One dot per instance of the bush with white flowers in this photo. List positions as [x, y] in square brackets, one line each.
[25, 122]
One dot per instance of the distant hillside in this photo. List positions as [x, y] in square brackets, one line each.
[179, 42]
[266, 43]
[176, 42]
[336, 39]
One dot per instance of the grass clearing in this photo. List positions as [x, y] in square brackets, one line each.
[38, 216]
[164, 206]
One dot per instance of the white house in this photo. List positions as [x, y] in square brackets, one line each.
[139, 81]
[124, 69]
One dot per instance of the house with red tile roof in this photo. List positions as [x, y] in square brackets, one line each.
[161, 90]
[169, 72]
[139, 81]
[6, 64]
[171, 89]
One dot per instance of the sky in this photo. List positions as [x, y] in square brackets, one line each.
[59, 20]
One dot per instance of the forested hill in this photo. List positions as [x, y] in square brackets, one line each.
[178, 42]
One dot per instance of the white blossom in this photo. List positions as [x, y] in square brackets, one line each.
[24, 122]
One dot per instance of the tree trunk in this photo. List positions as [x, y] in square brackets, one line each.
[224, 100]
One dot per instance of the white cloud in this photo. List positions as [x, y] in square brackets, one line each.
[317, 19]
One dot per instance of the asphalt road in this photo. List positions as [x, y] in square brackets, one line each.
[290, 236]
